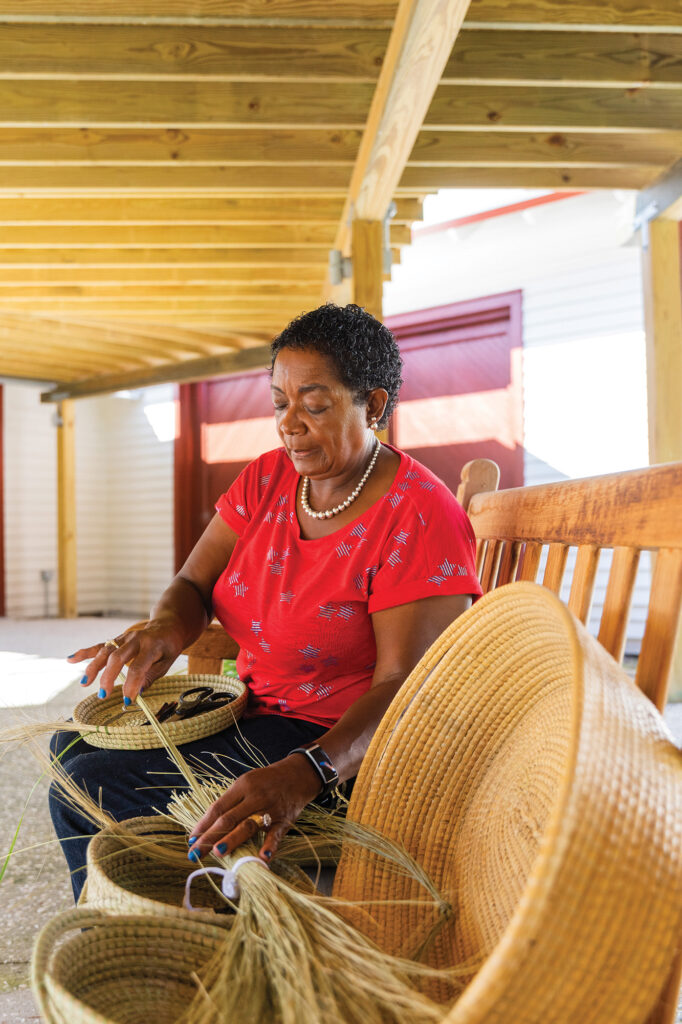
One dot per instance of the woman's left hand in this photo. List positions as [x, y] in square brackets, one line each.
[280, 790]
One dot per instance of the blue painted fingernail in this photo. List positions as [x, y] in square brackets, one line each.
[192, 839]
[194, 855]
[84, 680]
[71, 656]
[127, 702]
[267, 853]
[221, 847]
[102, 693]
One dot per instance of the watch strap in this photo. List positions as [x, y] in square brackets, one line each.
[323, 765]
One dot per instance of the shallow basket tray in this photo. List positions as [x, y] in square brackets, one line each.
[119, 970]
[128, 732]
[123, 878]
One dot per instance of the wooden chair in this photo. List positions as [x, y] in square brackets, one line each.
[626, 512]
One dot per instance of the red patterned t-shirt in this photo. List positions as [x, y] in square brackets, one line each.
[300, 610]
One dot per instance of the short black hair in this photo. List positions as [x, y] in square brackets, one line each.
[363, 351]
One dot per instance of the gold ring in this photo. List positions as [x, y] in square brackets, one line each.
[264, 821]
[111, 643]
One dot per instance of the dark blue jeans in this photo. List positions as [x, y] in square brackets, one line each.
[140, 782]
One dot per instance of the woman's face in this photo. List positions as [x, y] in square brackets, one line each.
[322, 429]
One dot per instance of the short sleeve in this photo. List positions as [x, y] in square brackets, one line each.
[237, 506]
[432, 551]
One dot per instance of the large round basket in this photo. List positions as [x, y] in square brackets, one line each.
[119, 970]
[130, 731]
[542, 792]
[124, 877]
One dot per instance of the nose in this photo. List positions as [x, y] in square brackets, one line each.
[289, 422]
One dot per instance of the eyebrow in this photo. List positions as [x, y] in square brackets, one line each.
[304, 389]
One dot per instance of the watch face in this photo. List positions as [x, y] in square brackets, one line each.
[325, 765]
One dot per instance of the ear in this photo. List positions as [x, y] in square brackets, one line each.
[376, 406]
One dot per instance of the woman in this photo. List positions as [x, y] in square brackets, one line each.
[334, 561]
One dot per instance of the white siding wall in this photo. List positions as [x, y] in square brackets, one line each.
[30, 467]
[583, 335]
[128, 486]
[124, 491]
[585, 389]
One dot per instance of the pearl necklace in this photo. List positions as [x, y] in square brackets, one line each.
[328, 513]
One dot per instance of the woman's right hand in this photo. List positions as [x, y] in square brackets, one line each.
[147, 648]
[181, 615]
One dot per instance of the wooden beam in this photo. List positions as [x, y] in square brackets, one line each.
[598, 14]
[52, 143]
[127, 299]
[554, 109]
[562, 177]
[256, 258]
[178, 236]
[624, 59]
[326, 180]
[663, 317]
[186, 342]
[435, 148]
[187, 103]
[160, 209]
[421, 41]
[194, 369]
[84, 344]
[368, 269]
[66, 510]
[218, 291]
[231, 12]
[199, 51]
[11, 276]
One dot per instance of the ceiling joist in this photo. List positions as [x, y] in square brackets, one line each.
[194, 369]
[173, 174]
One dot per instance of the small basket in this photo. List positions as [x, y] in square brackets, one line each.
[124, 879]
[119, 970]
[129, 732]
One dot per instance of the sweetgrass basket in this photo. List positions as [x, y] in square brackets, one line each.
[130, 731]
[89, 968]
[542, 792]
[124, 877]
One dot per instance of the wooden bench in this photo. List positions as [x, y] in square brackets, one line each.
[626, 512]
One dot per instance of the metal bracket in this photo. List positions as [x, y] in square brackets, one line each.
[644, 218]
[340, 266]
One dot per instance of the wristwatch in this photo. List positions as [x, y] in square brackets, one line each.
[324, 767]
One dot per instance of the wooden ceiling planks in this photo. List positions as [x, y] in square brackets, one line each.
[184, 167]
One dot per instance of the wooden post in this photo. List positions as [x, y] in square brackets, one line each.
[368, 265]
[663, 314]
[663, 318]
[66, 510]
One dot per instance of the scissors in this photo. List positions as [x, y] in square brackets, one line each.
[191, 702]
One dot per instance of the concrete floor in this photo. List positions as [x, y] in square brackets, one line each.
[36, 885]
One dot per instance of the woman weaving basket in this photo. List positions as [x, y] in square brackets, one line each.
[334, 561]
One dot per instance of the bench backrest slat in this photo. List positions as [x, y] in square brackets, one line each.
[627, 512]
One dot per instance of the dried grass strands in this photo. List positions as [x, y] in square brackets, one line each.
[289, 956]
